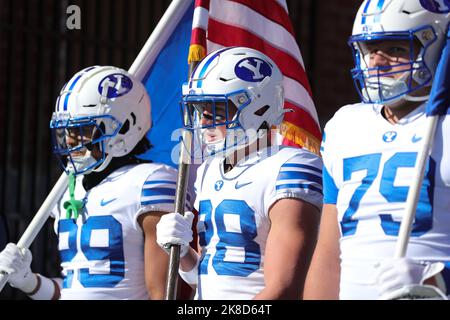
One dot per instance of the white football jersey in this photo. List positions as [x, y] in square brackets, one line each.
[368, 168]
[233, 215]
[102, 252]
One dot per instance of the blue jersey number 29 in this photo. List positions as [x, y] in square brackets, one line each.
[242, 237]
[390, 192]
[113, 252]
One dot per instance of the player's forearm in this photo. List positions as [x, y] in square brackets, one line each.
[322, 282]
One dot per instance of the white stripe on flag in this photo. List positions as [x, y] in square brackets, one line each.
[200, 19]
[250, 20]
[296, 93]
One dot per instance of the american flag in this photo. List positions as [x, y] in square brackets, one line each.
[264, 26]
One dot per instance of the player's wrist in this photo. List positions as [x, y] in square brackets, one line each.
[31, 284]
[191, 276]
[46, 289]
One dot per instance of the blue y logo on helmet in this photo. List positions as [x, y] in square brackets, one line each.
[253, 69]
[436, 6]
[115, 85]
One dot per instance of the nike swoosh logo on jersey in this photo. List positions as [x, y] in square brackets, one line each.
[104, 203]
[238, 186]
[416, 139]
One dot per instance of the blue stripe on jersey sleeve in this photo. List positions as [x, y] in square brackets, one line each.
[303, 166]
[146, 203]
[160, 182]
[297, 175]
[330, 190]
[161, 192]
[158, 192]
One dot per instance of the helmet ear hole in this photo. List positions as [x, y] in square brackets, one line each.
[125, 127]
[264, 126]
[102, 127]
[261, 111]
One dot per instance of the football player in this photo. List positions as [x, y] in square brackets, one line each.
[258, 204]
[106, 221]
[369, 153]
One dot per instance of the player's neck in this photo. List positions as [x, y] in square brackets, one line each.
[393, 114]
[239, 154]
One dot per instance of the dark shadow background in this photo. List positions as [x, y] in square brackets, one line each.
[38, 54]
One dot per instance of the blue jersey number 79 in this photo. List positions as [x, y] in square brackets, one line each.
[371, 163]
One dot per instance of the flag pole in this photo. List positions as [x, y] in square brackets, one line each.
[438, 102]
[197, 51]
[414, 191]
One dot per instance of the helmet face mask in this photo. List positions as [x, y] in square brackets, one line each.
[80, 142]
[404, 73]
[405, 22]
[101, 113]
[232, 95]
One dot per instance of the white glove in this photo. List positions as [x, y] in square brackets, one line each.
[396, 275]
[16, 262]
[173, 228]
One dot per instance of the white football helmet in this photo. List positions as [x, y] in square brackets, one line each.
[423, 22]
[248, 83]
[110, 105]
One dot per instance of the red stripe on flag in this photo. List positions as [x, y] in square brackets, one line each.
[202, 3]
[198, 36]
[301, 118]
[228, 35]
[271, 10]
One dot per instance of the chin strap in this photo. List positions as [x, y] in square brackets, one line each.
[72, 206]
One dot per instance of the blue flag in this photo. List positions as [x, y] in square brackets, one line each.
[439, 102]
[163, 81]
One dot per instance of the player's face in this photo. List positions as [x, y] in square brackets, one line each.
[209, 118]
[391, 55]
[78, 136]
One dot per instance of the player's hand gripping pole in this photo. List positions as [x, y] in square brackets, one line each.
[39, 219]
[438, 104]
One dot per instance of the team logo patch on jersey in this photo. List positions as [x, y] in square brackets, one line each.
[218, 185]
[115, 85]
[389, 136]
[253, 69]
[436, 6]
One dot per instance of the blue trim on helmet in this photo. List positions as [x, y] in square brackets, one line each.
[363, 19]
[379, 7]
[66, 100]
[206, 65]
